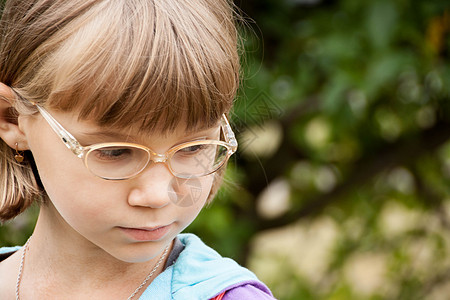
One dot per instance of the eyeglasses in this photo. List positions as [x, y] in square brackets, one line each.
[119, 161]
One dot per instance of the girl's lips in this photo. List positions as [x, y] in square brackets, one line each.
[146, 234]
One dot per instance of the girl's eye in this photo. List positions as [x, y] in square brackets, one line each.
[112, 153]
[192, 149]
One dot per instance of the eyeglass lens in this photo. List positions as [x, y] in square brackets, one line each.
[121, 162]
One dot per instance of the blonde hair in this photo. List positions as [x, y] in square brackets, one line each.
[153, 64]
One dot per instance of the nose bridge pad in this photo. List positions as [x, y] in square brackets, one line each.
[158, 158]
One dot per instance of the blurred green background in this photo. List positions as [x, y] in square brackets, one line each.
[341, 186]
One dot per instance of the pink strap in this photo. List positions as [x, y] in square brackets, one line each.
[218, 297]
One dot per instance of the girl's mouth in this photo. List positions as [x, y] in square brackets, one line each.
[145, 234]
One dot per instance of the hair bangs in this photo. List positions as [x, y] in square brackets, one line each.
[157, 66]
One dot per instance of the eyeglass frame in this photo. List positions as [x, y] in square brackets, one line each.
[82, 152]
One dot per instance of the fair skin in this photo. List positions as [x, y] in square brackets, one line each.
[79, 246]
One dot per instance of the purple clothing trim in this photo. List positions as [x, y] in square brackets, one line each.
[248, 290]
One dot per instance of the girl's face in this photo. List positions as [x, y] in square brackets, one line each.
[132, 220]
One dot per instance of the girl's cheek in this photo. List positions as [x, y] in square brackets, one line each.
[192, 196]
[188, 192]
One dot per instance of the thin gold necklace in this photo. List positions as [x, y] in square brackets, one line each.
[22, 261]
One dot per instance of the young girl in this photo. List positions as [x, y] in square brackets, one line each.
[113, 117]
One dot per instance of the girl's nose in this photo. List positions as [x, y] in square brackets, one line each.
[152, 187]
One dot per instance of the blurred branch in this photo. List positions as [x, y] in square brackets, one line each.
[296, 113]
[440, 278]
[432, 199]
[402, 152]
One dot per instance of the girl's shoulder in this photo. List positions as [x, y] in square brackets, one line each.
[251, 291]
[9, 262]
[200, 272]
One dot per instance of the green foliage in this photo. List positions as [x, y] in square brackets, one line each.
[360, 90]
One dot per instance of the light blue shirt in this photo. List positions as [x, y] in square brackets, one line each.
[198, 273]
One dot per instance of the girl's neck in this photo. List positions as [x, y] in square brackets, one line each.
[59, 259]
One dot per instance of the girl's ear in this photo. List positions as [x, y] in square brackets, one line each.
[9, 125]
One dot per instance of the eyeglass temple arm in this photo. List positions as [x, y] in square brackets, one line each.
[229, 134]
[71, 143]
[68, 139]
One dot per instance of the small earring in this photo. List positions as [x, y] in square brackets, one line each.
[18, 157]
